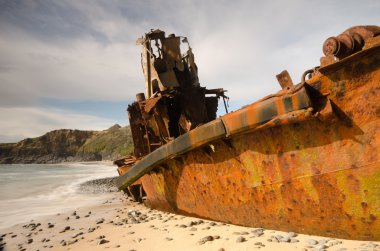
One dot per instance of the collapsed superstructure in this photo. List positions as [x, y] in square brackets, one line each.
[176, 103]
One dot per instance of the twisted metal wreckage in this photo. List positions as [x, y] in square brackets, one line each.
[305, 159]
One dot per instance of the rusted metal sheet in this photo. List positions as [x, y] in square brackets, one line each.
[306, 159]
[285, 80]
[260, 112]
[191, 140]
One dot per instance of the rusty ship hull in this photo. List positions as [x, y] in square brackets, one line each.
[311, 166]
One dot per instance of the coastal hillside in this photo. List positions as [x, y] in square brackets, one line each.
[67, 145]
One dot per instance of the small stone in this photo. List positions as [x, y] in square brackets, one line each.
[103, 241]
[216, 237]
[131, 232]
[312, 242]
[212, 224]
[285, 239]
[13, 236]
[64, 243]
[258, 243]
[101, 237]
[168, 239]
[99, 221]
[77, 234]
[291, 234]
[240, 239]
[77, 217]
[117, 246]
[29, 241]
[320, 247]
[74, 213]
[72, 242]
[221, 249]
[182, 226]
[65, 229]
[91, 229]
[293, 240]
[50, 225]
[193, 229]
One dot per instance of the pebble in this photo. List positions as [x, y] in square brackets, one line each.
[50, 225]
[240, 239]
[193, 229]
[320, 247]
[221, 249]
[291, 234]
[72, 242]
[65, 229]
[312, 242]
[169, 239]
[103, 241]
[285, 239]
[91, 229]
[29, 241]
[99, 221]
[117, 246]
[212, 224]
[205, 239]
[77, 234]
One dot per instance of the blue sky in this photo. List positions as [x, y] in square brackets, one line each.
[74, 64]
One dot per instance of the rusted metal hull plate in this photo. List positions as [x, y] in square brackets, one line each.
[311, 177]
[186, 142]
[319, 183]
[260, 112]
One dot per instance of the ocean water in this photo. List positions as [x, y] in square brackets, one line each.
[34, 190]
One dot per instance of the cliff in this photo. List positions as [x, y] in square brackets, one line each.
[67, 145]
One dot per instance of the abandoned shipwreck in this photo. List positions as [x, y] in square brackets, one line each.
[305, 159]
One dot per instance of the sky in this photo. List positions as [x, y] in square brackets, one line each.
[75, 64]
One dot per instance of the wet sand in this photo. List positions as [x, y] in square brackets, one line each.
[120, 224]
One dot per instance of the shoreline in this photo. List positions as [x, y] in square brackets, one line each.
[118, 223]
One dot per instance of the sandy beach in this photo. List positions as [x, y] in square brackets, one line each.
[119, 223]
